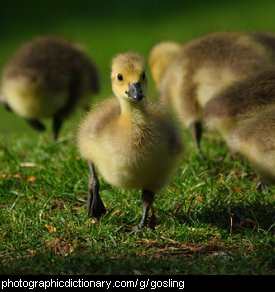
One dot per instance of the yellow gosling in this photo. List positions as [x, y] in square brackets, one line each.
[161, 57]
[132, 142]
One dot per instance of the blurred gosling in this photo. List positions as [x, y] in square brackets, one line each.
[206, 66]
[245, 116]
[161, 57]
[48, 78]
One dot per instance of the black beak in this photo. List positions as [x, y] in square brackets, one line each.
[135, 91]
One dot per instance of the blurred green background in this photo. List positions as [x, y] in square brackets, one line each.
[108, 27]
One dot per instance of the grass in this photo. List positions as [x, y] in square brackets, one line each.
[210, 218]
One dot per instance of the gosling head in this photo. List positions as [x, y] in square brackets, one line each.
[128, 77]
[161, 57]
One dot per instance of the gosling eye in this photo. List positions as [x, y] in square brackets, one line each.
[143, 76]
[120, 77]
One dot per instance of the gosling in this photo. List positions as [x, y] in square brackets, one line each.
[48, 78]
[132, 142]
[245, 116]
[160, 58]
[205, 67]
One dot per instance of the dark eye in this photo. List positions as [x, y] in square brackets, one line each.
[119, 77]
[143, 75]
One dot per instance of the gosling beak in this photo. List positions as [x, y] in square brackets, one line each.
[135, 91]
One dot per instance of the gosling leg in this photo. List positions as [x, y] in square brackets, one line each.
[35, 124]
[196, 132]
[57, 124]
[147, 199]
[6, 106]
[95, 205]
[260, 187]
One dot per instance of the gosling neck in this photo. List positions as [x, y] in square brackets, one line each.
[129, 107]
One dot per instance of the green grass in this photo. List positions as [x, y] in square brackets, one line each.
[210, 218]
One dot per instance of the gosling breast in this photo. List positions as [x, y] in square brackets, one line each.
[130, 152]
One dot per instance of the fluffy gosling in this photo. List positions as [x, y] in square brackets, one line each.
[206, 66]
[48, 78]
[132, 142]
[161, 57]
[245, 116]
